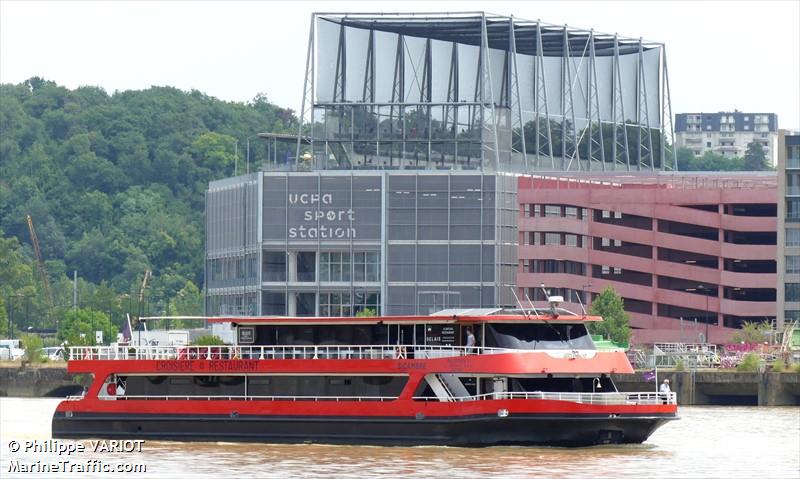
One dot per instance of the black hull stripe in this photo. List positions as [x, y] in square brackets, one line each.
[475, 431]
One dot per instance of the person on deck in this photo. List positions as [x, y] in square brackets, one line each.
[470, 341]
[664, 391]
[665, 387]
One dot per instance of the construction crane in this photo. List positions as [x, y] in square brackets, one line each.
[45, 282]
[147, 274]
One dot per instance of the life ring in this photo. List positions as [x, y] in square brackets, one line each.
[111, 389]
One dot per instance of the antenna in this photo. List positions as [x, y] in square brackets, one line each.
[580, 302]
[553, 300]
[524, 313]
[546, 293]
[532, 306]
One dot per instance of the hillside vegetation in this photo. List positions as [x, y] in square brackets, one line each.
[115, 186]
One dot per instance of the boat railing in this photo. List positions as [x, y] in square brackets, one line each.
[252, 398]
[603, 399]
[276, 352]
[613, 398]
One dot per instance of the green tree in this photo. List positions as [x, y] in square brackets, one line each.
[615, 325]
[208, 340]
[78, 327]
[685, 158]
[754, 158]
[3, 318]
[188, 301]
[752, 333]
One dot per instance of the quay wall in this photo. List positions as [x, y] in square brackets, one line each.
[715, 387]
[41, 380]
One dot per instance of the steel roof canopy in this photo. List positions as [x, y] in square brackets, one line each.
[466, 29]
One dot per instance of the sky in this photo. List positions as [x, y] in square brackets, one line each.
[722, 55]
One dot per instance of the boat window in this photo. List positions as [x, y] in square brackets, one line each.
[267, 386]
[377, 380]
[324, 335]
[538, 336]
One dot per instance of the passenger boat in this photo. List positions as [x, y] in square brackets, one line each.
[531, 378]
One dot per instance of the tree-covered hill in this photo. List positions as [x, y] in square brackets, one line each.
[114, 184]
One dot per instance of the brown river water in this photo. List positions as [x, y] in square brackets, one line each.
[716, 442]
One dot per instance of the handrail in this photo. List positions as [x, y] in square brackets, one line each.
[615, 398]
[605, 399]
[277, 352]
[250, 398]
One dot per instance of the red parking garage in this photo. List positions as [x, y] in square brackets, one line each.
[693, 255]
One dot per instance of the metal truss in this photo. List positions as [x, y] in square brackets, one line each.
[579, 101]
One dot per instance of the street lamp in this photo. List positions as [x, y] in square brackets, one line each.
[235, 157]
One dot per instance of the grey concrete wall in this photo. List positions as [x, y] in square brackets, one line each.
[39, 381]
[722, 387]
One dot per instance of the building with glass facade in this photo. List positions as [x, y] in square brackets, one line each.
[788, 226]
[334, 243]
[399, 192]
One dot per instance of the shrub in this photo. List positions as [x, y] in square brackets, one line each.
[680, 365]
[366, 313]
[795, 368]
[779, 366]
[750, 363]
[208, 340]
[32, 344]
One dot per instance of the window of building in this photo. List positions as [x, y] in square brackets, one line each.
[306, 266]
[573, 267]
[612, 214]
[792, 237]
[574, 212]
[552, 210]
[335, 304]
[334, 267]
[306, 304]
[274, 266]
[573, 240]
[367, 300]
[791, 315]
[792, 264]
[273, 302]
[609, 242]
[793, 210]
[747, 127]
[366, 266]
[552, 238]
[607, 270]
[746, 118]
[530, 210]
[792, 291]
